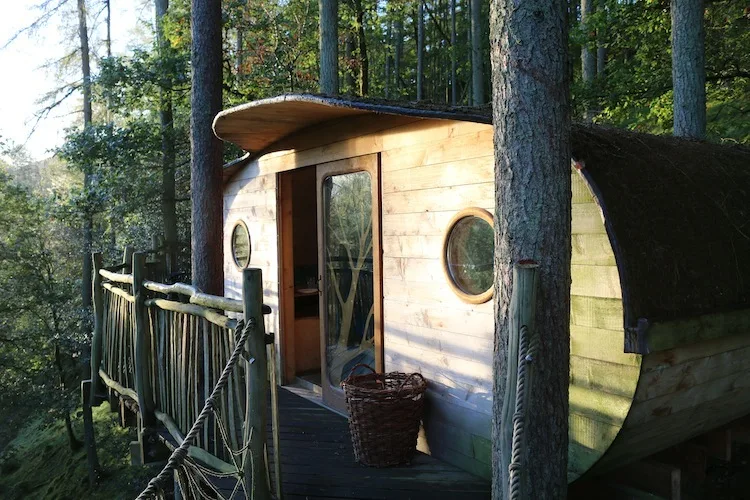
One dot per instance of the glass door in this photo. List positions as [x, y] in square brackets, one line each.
[349, 254]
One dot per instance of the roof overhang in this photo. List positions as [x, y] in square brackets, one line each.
[257, 125]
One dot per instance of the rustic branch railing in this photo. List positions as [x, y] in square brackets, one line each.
[165, 346]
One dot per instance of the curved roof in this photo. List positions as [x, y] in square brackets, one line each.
[257, 125]
[678, 217]
[677, 212]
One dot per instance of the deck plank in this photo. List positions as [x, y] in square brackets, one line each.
[318, 462]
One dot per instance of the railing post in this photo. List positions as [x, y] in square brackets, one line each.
[256, 412]
[96, 339]
[521, 313]
[142, 344]
[127, 258]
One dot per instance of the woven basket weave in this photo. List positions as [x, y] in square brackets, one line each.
[385, 410]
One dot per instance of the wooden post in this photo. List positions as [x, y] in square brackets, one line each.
[275, 425]
[521, 313]
[127, 257]
[96, 339]
[256, 411]
[142, 344]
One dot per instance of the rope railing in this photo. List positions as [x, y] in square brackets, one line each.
[526, 354]
[179, 455]
[166, 354]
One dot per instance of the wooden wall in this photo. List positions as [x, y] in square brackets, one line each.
[251, 196]
[684, 392]
[603, 378]
[428, 329]
[430, 170]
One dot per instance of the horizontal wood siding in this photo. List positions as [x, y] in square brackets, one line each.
[683, 392]
[253, 201]
[603, 378]
[430, 169]
[427, 328]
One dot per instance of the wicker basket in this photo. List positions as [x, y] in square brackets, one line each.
[385, 410]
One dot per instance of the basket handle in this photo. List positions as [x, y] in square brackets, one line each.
[363, 365]
[403, 383]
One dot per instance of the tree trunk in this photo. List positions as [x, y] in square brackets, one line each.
[351, 84]
[388, 58]
[588, 59]
[329, 46]
[420, 50]
[689, 69]
[398, 53]
[88, 423]
[454, 56]
[206, 149]
[532, 222]
[363, 62]
[477, 70]
[166, 119]
[73, 441]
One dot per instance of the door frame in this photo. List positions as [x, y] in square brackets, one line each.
[367, 163]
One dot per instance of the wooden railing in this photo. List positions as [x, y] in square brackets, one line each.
[165, 346]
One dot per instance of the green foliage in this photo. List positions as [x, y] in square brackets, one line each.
[39, 464]
[39, 306]
[635, 91]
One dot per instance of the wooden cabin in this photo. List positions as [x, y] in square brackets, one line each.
[387, 210]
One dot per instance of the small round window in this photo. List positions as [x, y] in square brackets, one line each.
[469, 255]
[241, 245]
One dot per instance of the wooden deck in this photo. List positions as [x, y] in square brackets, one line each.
[318, 463]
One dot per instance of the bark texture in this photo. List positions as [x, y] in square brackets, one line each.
[689, 68]
[477, 64]
[206, 149]
[329, 46]
[532, 221]
[166, 119]
[88, 422]
[588, 57]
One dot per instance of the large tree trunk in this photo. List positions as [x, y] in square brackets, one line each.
[588, 58]
[477, 69]
[166, 119]
[329, 46]
[532, 221]
[206, 149]
[420, 50]
[689, 69]
[88, 422]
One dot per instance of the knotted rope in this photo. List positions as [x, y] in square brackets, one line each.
[178, 456]
[525, 357]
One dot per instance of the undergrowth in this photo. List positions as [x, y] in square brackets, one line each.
[39, 464]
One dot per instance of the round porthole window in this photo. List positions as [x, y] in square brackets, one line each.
[241, 245]
[469, 255]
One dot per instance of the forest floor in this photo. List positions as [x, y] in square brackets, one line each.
[39, 463]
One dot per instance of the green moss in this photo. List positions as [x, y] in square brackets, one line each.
[39, 463]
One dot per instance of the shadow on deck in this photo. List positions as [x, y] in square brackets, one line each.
[318, 462]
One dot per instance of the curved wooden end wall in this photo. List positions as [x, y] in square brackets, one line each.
[603, 379]
[684, 392]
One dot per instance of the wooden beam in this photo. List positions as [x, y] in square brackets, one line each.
[651, 476]
[96, 338]
[256, 468]
[521, 317]
[142, 344]
[194, 310]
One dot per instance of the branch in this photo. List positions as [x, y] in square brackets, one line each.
[37, 23]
